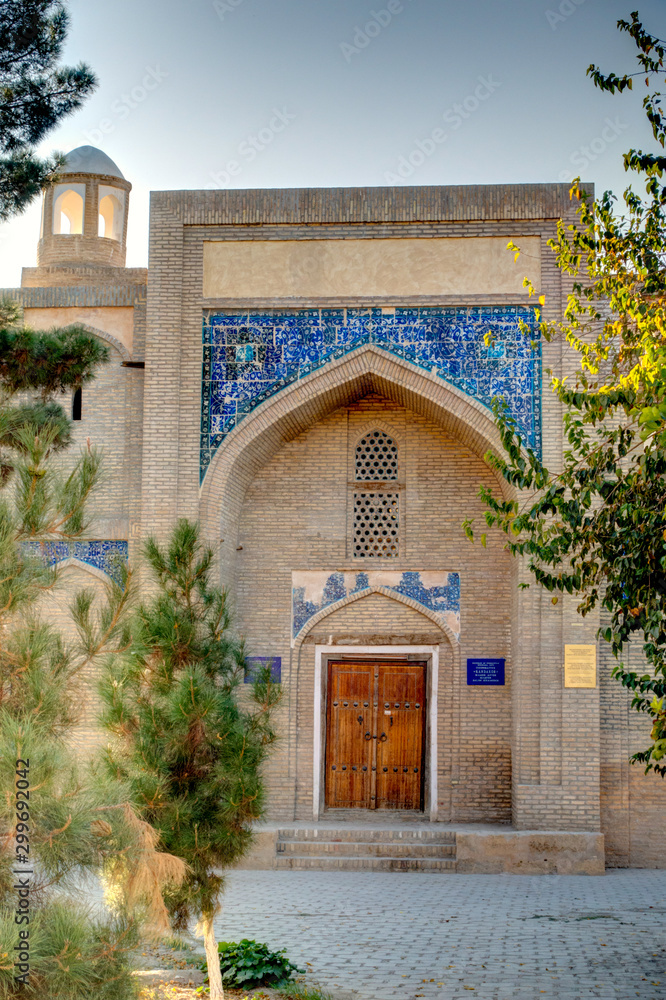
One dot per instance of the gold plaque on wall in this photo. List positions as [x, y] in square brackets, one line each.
[580, 666]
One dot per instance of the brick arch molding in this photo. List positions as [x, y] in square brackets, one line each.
[386, 592]
[108, 338]
[280, 419]
[71, 562]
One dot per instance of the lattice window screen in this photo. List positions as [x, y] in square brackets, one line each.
[376, 457]
[376, 525]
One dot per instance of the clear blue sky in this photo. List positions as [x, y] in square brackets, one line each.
[291, 93]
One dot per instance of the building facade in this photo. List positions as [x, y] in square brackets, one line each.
[307, 373]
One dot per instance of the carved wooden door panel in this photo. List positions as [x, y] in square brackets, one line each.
[349, 746]
[400, 732]
[375, 735]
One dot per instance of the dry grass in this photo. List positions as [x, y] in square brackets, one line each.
[140, 878]
[167, 991]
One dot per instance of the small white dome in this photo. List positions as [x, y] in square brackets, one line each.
[90, 160]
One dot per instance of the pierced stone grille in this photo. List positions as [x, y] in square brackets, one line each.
[376, 524]
[376, 457]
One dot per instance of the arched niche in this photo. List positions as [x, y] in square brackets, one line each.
[108, 338]
[68, 209]
[438, 647]
[299, 406]
[111, 212]
[438, 621]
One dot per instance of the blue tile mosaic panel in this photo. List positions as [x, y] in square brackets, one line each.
[314, 590]
[249, 356]
[107, 556]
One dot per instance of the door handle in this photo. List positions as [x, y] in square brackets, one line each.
[368, 736]
[383, 738]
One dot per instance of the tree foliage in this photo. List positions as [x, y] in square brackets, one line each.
[35, 95]
[77, 820]
[49, 362]
[40, 365]
[596, 527]
[189, 748]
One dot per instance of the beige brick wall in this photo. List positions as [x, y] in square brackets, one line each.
[555, 745]
[86, 735]
[633, 804]
[296, 516]
[277, 499]
[112, 420]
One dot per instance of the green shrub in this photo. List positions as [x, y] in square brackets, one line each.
[248, 964]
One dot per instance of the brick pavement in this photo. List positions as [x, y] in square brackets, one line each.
[378, 936]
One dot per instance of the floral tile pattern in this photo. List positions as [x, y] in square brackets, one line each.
[314, 590]
[107, 556]
[249, 356]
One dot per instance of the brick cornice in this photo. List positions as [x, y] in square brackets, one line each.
[358, 206]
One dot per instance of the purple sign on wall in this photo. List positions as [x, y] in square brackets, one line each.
[485, 672]
[255, 663]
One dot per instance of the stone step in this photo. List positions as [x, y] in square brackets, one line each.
[368, 835]
[366, 848]
[320, 863]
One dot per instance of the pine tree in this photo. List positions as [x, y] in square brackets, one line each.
[46, 362]
[190, 749]
[40, 365]
[35, 95]
[76, 820]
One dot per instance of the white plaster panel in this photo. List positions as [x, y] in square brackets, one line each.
[368, 267]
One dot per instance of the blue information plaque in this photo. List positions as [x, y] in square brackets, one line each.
[489, 672]
[252, 663]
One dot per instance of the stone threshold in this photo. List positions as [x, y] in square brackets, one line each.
[474, 848]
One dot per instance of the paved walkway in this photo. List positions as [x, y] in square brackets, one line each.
[380, 936]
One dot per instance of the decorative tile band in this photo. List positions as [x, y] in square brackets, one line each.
[314, 590]
[250, 356]
[106, 556]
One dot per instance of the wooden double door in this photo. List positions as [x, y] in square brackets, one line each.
[375, 734]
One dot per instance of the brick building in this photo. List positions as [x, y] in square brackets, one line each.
[305, 372]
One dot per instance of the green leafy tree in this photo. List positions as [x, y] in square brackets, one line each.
[35, 95]
[188, 746]
[597, 527]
